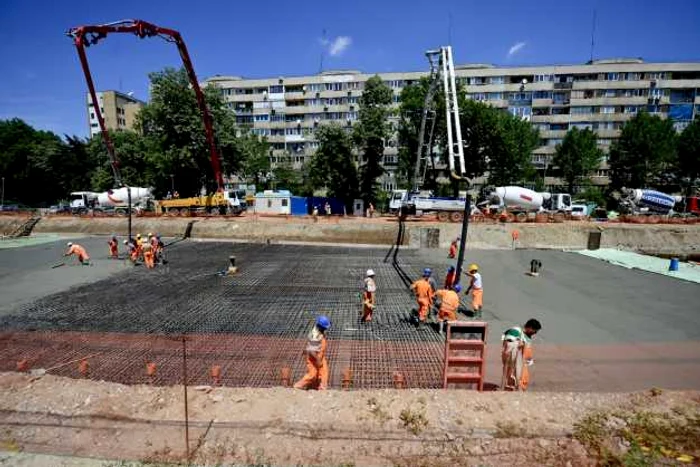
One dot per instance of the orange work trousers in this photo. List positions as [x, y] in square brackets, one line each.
[113, 252]
[423, 307]
[525, 376]
[453, 251]
[316, 375]
[477, 299]
[367, 306]
[148, 259]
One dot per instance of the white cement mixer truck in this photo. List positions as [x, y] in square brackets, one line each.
[111, 200]
[516, 200]
[636, 201]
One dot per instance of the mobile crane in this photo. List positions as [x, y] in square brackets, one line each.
[85, 36]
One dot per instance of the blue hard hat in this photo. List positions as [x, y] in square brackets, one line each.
[457, 288]
[427, 272]
[450, 269]
[323, 322]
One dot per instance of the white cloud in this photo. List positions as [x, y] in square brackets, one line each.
[338, 45]
[517, 47]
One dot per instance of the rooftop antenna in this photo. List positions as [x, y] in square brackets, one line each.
[324, 42]
[593, 34]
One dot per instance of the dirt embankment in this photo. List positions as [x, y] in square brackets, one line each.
[288, 427]
[676, 239]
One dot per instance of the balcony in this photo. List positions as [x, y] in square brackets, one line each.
[562, 86]
[541, 102]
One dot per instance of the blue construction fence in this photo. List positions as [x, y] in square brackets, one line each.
[302, 206]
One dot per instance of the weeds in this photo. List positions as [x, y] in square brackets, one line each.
[509, 430]
[381, 415]
[414, 421]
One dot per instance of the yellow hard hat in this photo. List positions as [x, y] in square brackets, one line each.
[473, 267]
[138, 235]
[150, 234]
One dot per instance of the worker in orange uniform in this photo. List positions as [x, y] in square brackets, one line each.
[132, 250]
[424, 294]
[516, 355]
[316, 363]
[148, 258]
[449, 303]
[515, 235]
[368, 296]
[453, 248]
[139, 246]
[79, 252]
[450, 277]
[477, 289]
[113, 247]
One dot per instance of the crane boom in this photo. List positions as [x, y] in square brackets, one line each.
[85, 36]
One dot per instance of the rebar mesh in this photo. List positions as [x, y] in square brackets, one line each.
[251, 325]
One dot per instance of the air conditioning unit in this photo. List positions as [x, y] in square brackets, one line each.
[325, 108]
[652, 83]
[318, 94]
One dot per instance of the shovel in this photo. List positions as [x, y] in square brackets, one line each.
[58, 265]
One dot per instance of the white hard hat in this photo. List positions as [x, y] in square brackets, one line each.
[370, 272]
[70, 243]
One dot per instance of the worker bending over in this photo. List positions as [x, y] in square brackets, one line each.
[131, 249]
[477, 289]
[316, 364]
[148, 258]
[368, 296]
[516, 355]
[79, 252]
[424, 294]
[449, 303]
[113, 247]
[453, 248]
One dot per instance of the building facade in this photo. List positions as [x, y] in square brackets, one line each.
[118, 110]
[601, 95]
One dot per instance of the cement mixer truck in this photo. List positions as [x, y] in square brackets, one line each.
[111, 200]
[644, 201]
[518, 200]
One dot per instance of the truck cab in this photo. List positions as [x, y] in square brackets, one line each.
[398, 198]
[237, 203]
[82, 201]
[558, 202]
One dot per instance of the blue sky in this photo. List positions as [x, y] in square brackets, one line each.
[41, 81]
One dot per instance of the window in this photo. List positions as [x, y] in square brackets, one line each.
[520, 96]
[478, 96]
[520, 111]
[634, 76]
[554, 141]
[581, 110]
[604, 141]
[94, 125]
[655, 76]
[396, 98]
[244, 119]
[559, 126]
[92, 115]
[261, 131]
[494, 96]
[261, 105]
[262, 118]
[277, 104]
[631, 109]
[354, 85]
[476, 80]
[543, 78]
[269, 203]
[315, 87]
[607, 109]
[396, 83]
[582, 125]
[542, 95]
[353, 100]
[496, 80]
[277, 89]
[352, 115]
[293, 131]
[334, 86]
[656, 92]
[277, 117]
[612, 76]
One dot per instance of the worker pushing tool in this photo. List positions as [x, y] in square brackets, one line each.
[424, 294]
[453, 248]
[368, 296]
[449, 303]
[148, 257]
[516, 355]
[316, 363]
[477, 289]
[450, 277]
[113, 247]
[79, 252]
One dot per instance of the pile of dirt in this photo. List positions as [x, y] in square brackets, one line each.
[286, 427]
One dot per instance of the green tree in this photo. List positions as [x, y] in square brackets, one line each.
[136, 156]
[577, 156]
[510, 150]
[333, 165]
[370, 134]
[253, 157]
[410, 115]
[644, 152]
[480, 134]
[688, 165]
[172, 124]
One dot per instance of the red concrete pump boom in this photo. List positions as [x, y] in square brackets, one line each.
[85, 36]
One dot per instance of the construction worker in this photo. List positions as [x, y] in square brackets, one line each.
[477, 289]
[368, 297]
[449, 303]
[79, 252]
[148, 258]
[450, 277]
[159, 247]
[132, 250]
[424, 294]
[316, 364]
[453, 248]
[516, 355]
[113, 247]
[139, 246]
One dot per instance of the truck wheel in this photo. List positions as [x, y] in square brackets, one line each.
[443, 216]
[184, 212]
[456, 216]
[521, 217]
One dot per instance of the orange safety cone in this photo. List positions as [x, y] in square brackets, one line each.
[347, 379]
[216, 374]
[84, 367]
[23, 365]
[399, 380]
[286, 377]
[150, 369]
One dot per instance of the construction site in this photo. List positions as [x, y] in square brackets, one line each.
[193, 360]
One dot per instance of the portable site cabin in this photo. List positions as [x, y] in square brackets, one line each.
[279, 202]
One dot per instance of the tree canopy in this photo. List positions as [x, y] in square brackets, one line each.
[577, 156]
[333, 165]
[688, 163]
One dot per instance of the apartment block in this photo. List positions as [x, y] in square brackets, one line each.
[600, 95]
[118, 110]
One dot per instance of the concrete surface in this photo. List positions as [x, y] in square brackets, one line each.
[631, 260]
[604, 327]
